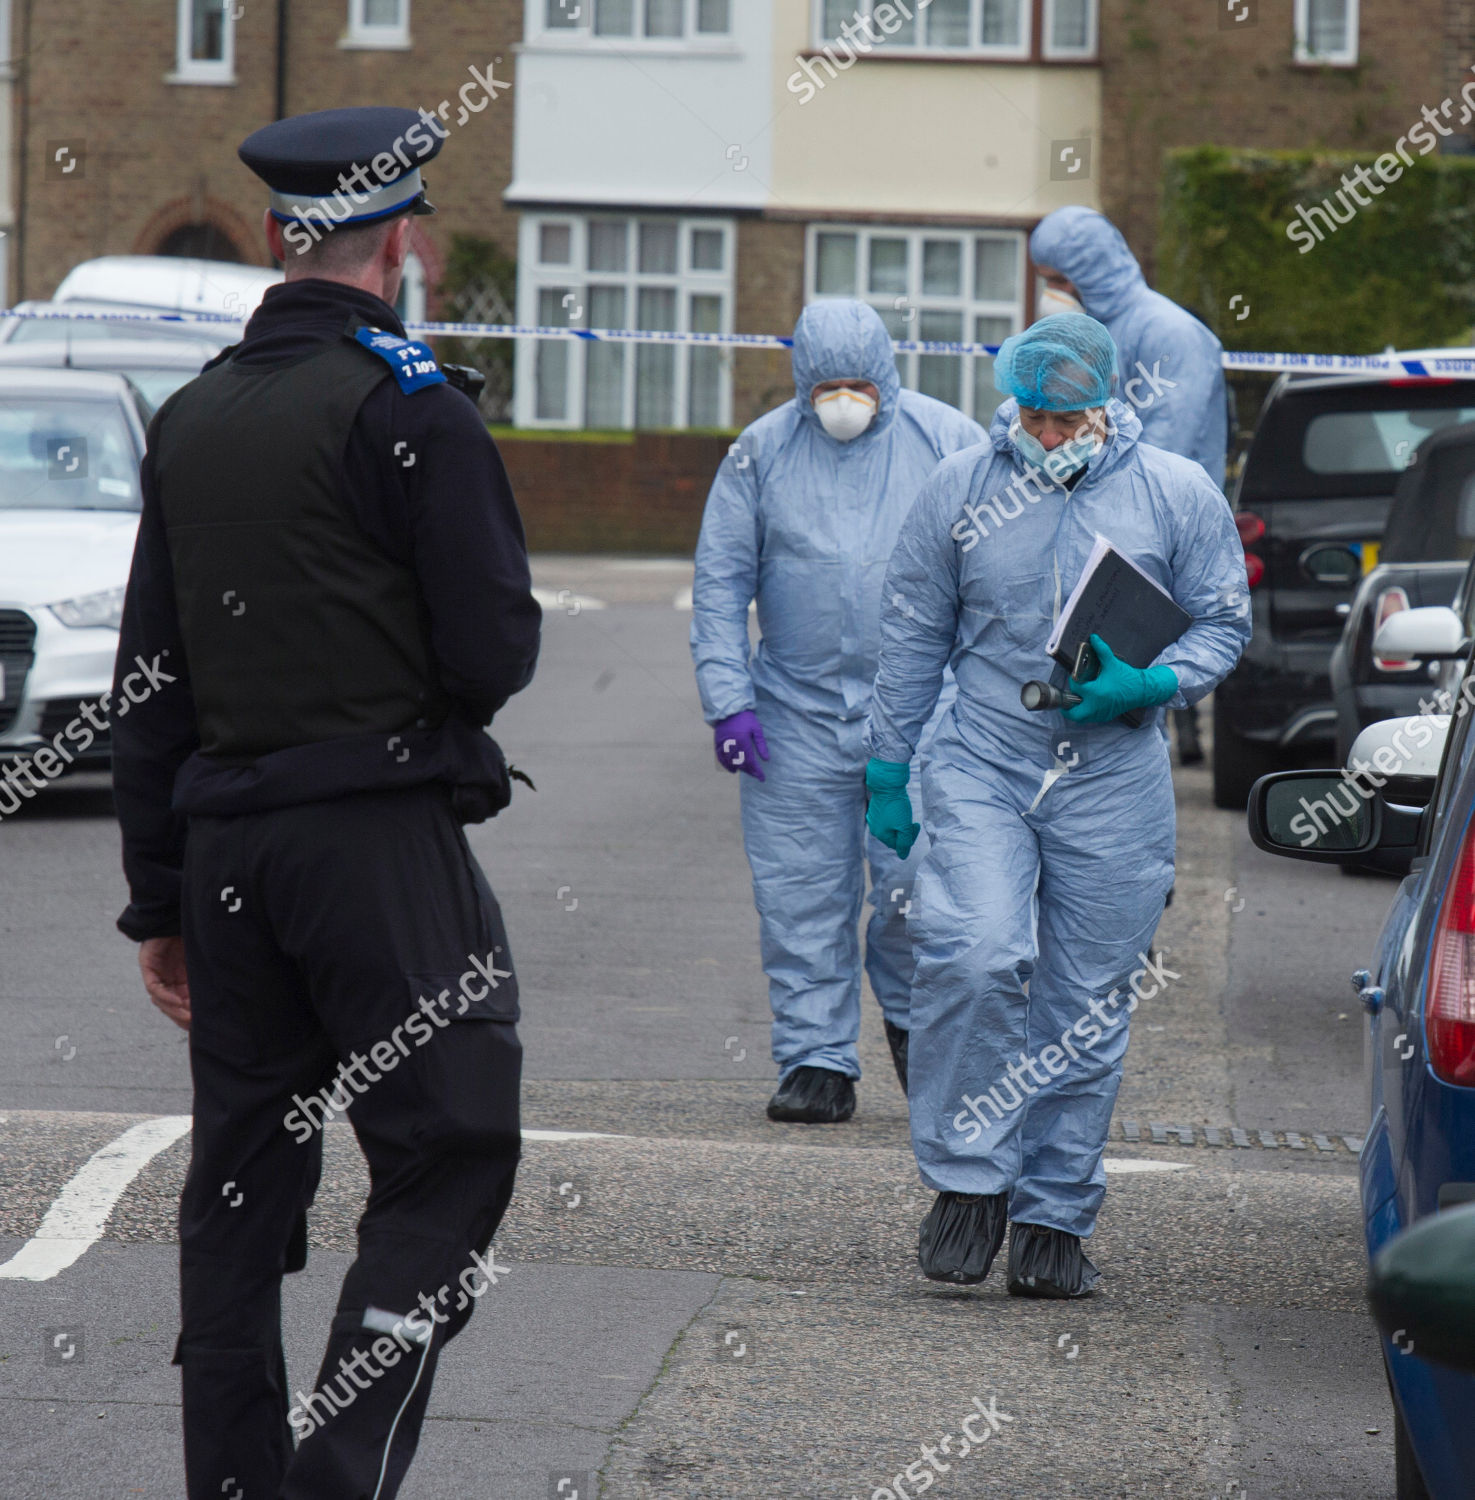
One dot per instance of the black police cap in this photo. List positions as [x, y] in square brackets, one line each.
[345, 166]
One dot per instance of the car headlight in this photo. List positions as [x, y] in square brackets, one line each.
[91, 610]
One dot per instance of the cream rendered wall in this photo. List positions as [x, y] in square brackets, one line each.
[912, 138]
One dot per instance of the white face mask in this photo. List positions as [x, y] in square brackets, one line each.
[1059, 462]
[845, 414]
[1053, 300]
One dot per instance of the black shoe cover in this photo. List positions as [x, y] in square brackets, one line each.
[898, 1040]
[813, 1096]
[1045, 1262]
[961, 1235]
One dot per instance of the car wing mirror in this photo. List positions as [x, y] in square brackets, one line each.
[1421, 1288]
[1431, 633]
[1330, 817]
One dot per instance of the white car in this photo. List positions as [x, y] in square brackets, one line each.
[70, 446]
[157, 366]
[171, 283]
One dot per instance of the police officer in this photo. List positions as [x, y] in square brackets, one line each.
[331, 586]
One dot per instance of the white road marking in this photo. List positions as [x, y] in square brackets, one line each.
[571, 1135]
[74, 1222]
[566, 600]
[1142, 1164]
[682, 601]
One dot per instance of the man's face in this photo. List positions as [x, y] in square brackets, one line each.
[1052, 428]
[1057, 281]
[865, 387]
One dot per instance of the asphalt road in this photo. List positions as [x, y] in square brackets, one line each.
[731, 1308]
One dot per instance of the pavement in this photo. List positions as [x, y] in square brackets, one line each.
[692, 1301]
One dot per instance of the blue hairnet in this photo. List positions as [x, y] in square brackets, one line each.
[1065, 362]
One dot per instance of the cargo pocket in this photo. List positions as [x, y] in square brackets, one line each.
[466, 1056]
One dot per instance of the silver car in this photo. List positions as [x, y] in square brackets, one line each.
[70, 446]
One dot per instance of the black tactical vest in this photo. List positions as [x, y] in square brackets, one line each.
[296, 627]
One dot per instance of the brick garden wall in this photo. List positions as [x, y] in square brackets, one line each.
[643, 495]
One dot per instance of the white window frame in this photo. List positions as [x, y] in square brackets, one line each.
[376, 36]
[1344, 57]
[1022, 51]
[189, 69]
[977, 373]
[412, 292]
[533, 278]
[1093, 34]
[582, 35]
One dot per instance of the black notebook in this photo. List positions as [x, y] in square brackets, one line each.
[1116, 600]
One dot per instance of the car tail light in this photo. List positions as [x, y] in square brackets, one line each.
[1449, 1005]
[1390, 602]
[1251, 530]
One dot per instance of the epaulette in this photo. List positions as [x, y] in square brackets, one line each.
[413, 364]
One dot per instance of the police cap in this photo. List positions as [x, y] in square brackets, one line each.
[345, 166]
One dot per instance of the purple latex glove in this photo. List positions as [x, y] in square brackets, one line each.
[738, 740]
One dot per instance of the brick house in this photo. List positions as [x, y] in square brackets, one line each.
[148, 101]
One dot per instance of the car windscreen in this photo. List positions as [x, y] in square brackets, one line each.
[59, 454]
[92, 330]
[1433, 513]
[158, 386]
[1343, 441]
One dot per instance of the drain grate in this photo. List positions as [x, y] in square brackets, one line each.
[1231, 1136]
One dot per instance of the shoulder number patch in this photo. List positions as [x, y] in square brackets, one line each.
[413, 364]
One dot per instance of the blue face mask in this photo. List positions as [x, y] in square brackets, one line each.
[1060, 462]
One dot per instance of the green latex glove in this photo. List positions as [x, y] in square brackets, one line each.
[888, 808]
[1117, 689]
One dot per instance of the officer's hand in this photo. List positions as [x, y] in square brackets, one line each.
[161, 961]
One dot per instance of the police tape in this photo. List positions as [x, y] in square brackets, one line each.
[1421, 367]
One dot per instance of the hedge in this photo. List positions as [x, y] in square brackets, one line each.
[1401, 272]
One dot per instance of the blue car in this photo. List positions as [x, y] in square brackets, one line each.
[1410, 810]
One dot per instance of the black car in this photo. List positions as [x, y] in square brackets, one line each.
[1428, 541]
[1311, 504]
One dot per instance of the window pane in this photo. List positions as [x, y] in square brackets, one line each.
[551, 375]
[895, 319]
[834, 271]
[904, 33]
[656, 309]
[1002, 23]
[706, 314]
[655, 385]
[658, 248]
[888, 265]
[663, 17]
[986, 400]
[555, 244]
[712, 17]
[207, 31]
[706, 250]
[604, 385]
[614, 17]
[1326, 27]
[606, 307]
[1070, 29]
[995, 270]
[382, 12]
[836, 14]
[607, 250]
[942, 268]
[947, 23]
[705, 380]
[563, 14]
[941, 375]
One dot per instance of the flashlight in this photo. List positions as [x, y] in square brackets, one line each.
[1037, 695]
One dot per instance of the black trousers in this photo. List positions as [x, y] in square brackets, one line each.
[314, 936]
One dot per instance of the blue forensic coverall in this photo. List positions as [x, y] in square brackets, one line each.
[804, 525]
[1171, 366]
[1051, 842]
